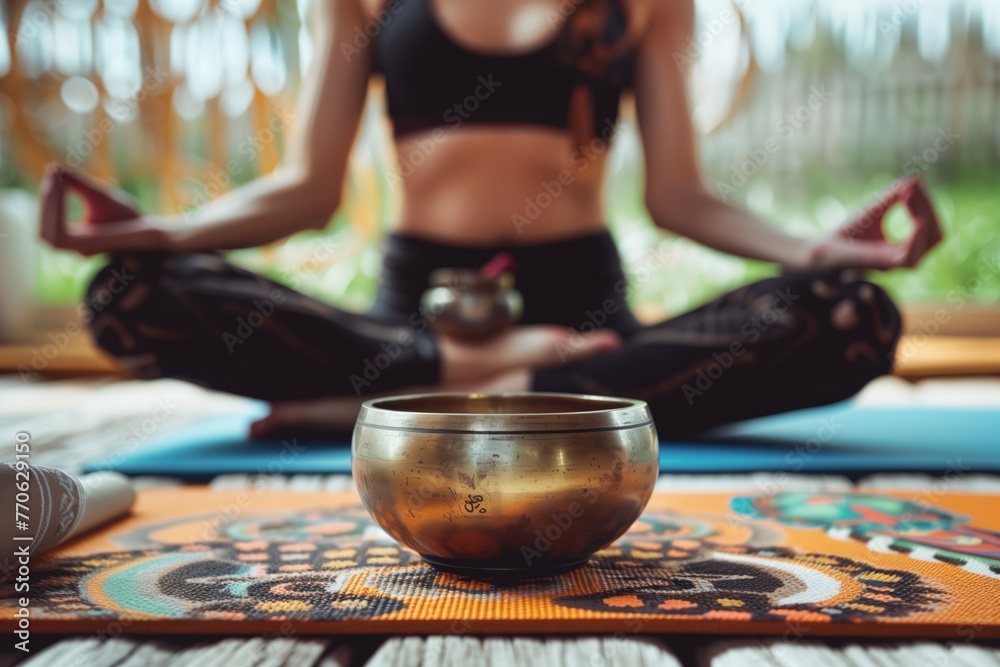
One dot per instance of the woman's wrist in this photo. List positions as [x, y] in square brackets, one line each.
[806, 253]
[172, 234]
[150, 234]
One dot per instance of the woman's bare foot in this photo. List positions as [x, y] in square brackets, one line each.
[313, 417]
[336, 415]
[500, 364]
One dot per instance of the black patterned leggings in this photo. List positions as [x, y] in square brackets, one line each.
[789, 342]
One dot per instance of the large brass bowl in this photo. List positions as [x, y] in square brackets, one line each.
[508, 485]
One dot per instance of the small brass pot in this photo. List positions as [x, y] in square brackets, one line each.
[462, 303]
[508, 485]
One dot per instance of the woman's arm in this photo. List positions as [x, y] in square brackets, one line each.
[677, 198]
[302, 194]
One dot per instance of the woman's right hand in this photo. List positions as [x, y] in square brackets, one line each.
[111, 220]
[861, 243]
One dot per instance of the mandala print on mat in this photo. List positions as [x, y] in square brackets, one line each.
[327, 564]
[657, 569]
[282, 566]
[316, 565]
[886, 524]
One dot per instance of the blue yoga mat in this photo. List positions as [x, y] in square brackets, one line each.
[841, 439]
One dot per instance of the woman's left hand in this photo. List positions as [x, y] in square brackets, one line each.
[861, 243]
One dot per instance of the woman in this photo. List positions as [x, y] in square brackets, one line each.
[500, 111]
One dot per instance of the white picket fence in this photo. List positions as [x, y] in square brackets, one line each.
[913, 109]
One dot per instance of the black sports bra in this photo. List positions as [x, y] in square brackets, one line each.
[431, 81]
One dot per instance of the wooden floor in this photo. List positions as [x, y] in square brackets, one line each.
[502, 652]
[75, 421]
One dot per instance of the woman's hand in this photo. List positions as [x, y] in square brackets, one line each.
[518, 348]
[111, 220]
[861, 243]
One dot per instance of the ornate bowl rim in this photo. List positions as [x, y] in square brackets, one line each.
[416, 413]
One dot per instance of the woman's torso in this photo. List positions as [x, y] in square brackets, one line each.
[467, 182]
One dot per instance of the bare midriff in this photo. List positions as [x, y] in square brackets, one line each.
[499, 185]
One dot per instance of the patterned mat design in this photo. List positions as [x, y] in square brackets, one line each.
[192, 560]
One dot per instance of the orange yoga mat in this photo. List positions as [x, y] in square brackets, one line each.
[798, 565]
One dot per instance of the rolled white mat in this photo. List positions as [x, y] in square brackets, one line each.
[43, 507]
[108, 495]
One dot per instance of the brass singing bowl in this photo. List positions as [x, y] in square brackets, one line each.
[507, 485]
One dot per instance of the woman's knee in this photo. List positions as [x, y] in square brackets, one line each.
[881, 320]
[126, 304]
[867, 326]
[121, 284]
